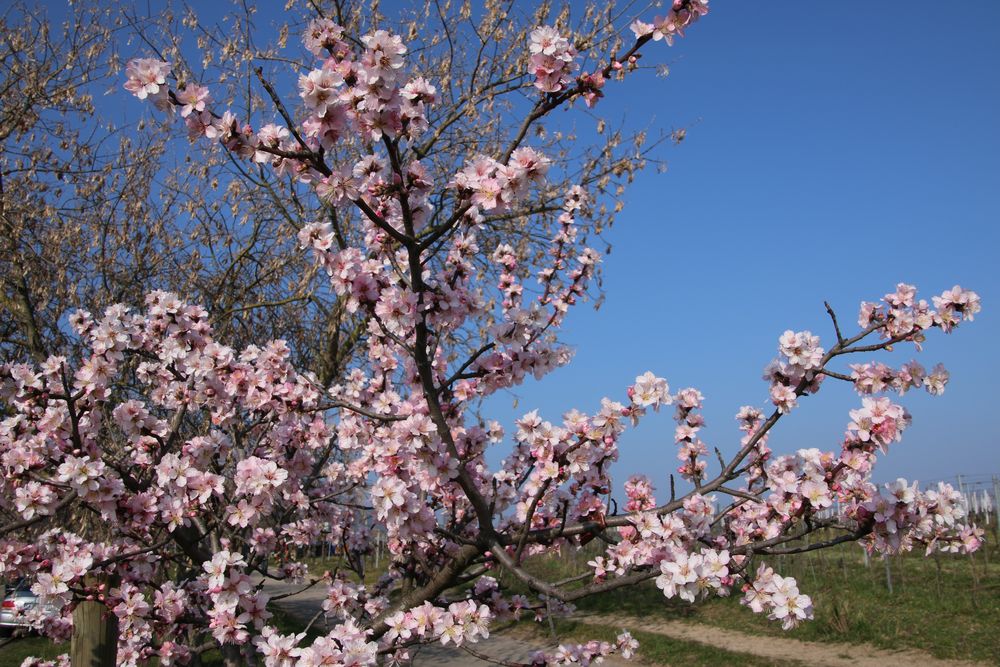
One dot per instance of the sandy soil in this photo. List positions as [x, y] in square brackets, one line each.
[825, 654]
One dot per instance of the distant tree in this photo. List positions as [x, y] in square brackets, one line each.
[452, 221]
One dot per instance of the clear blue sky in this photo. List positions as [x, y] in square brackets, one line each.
[830, 154]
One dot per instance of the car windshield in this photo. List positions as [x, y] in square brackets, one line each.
[20, 588]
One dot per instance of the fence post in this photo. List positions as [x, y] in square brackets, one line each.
[95, 636]
[996, 498]
[996, 512]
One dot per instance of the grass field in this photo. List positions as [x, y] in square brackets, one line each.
[14, 653]
[948, 606]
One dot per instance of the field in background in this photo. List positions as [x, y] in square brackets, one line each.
[946, 605]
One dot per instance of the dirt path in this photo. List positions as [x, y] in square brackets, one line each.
[816, 654]
[511, 646]
[500, 645]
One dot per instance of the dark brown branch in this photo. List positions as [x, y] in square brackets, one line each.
[836, 325]
[38, 518]
[286, 116]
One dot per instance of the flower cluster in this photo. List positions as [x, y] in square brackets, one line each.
[462, 622]
[650, 538]
[796, 371]
[492, 187]
[682, 14]
[875, 377]
[755, 440]
[876, 424]
[904, 317]
[162, 480]
[552, 59]
[902, 515]
[800, 481]
[59, 661]
[593, 652]
[650, 391]
[778, 597]
[145, 76]
[694, 576]
[689, 423]
[364, 91]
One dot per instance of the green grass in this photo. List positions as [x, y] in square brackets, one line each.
[951, 612]
[317, 565]
[658, 649]
[14, 654]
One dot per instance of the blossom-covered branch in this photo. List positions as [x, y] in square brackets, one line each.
[232, 460]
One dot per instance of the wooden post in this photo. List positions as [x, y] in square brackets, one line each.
[975, 581]
[231, 656]
[937, 562]
[548, 615]
[95, 636]
[996, 499]
[996, 515]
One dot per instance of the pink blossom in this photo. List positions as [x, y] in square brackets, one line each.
[193, 99]
[145, 76]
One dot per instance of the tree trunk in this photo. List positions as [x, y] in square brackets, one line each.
[95, 636]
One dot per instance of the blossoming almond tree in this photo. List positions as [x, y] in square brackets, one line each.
[207, 468]
[93, 212]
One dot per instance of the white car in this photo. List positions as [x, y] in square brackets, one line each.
[18, 603]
